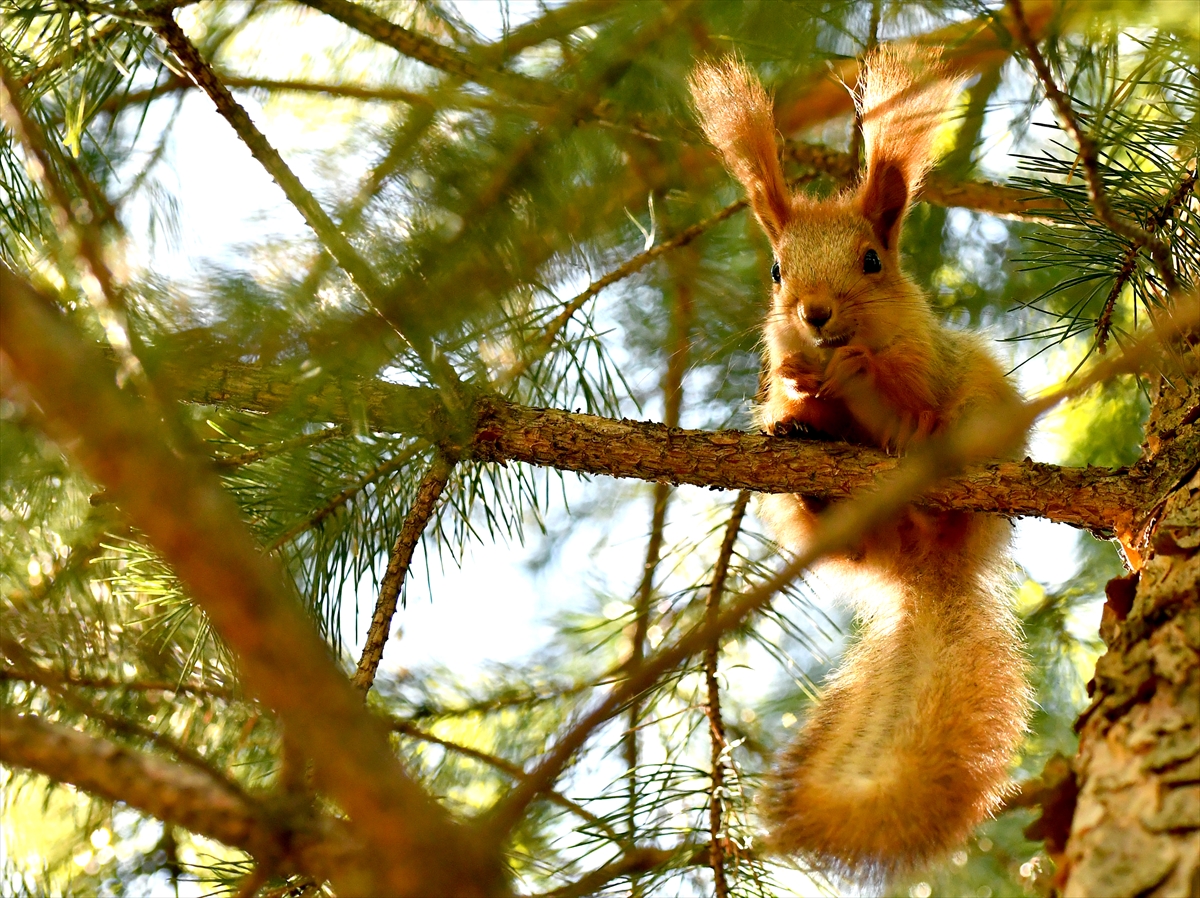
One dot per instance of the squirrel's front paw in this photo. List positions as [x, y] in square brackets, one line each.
[847, 365]
[797, 429]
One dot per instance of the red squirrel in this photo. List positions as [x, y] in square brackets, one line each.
[909, 746]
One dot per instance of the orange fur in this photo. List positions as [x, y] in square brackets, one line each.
[908, 749]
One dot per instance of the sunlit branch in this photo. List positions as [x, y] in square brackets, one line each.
[438, 56]
[1091, 498]
[428, 493]
[177, 795]
[171, 792]
[712, 611]
[970, 46]
[306, 204]
[632, 862]
[544, 341]
[1129, 263]
[554, 22]
[50, 678]
[272, 450]
[120, 725]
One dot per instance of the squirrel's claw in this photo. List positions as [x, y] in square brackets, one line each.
[847, 365]
[908, 428]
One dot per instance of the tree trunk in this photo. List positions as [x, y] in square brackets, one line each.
[1136, 823]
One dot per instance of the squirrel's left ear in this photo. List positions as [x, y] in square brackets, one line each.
[904, 95]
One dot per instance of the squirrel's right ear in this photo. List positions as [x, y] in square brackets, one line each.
[737, 117]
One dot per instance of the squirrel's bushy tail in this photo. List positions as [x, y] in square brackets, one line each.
[908, 748]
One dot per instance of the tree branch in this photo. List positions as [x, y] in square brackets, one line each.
[1091, 498]
[438, 56]
[178, 795]
[505, 766]
[174, 793]
[970, 46]
[428, 493]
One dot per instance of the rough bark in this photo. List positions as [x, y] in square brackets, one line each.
[1136, 823]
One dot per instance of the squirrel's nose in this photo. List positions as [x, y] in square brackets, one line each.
[816, 314]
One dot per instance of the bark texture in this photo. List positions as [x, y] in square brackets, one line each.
[1136, 823]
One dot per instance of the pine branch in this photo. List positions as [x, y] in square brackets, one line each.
[119, 725]
[178, 502]
[428, 493]
[51, 678]
[438, 56]
[344, 495]
[544, 342]
[712, 612]
[174, 793]
[281, 448]
[1160, 250]
[970, 46]
[632, 862]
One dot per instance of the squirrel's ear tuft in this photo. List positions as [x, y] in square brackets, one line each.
[904, 96]
[738, 119]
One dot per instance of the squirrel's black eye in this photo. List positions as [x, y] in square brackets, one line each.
[775, 275]
[871, 263]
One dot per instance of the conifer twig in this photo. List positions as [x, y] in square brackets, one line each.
[266, 154]
[543, 342]
[1089, 157]
[428, 493]
[283, 446]
[344, 495]
[712, 611]
[505, 766]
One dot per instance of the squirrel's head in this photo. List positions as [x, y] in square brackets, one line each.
[837, 272]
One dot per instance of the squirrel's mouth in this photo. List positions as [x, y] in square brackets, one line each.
[833, 341]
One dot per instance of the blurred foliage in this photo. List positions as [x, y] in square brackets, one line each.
[484, 205]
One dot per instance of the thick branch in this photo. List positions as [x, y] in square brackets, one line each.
[175, 794]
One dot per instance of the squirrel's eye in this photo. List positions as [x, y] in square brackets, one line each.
[871, 263]
[775, 275]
